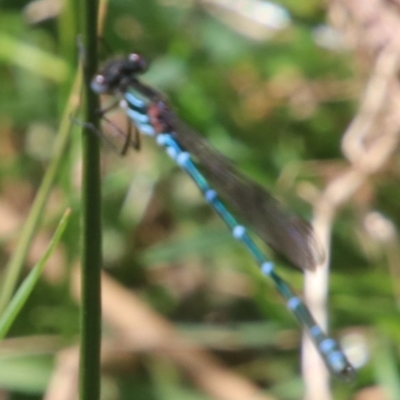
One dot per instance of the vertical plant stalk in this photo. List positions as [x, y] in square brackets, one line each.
[90, 318]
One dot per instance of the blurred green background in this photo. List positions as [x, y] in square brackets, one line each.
[274, 93]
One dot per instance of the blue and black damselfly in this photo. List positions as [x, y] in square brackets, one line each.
[216, 178]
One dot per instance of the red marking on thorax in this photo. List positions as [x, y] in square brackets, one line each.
[155, 111]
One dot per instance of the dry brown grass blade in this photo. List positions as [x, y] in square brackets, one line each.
[140, 329]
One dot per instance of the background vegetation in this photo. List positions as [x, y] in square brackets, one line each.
[307, 110]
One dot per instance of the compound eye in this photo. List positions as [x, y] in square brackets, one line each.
[98, 84]
[139, 63]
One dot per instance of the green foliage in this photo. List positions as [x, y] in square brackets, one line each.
[278, 108]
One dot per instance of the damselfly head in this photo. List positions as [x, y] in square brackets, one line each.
[116, 74]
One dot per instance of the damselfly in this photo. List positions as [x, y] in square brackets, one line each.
[217, 178]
